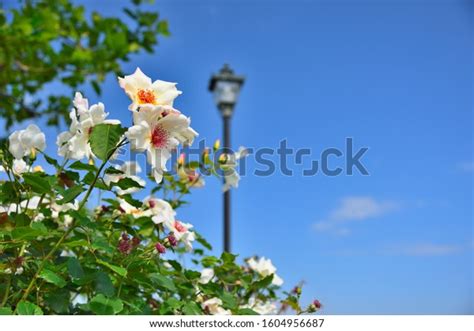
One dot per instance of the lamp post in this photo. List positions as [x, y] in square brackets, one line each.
[226, 87]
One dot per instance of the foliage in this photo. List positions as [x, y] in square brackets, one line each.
[124, 256]
[46, 41]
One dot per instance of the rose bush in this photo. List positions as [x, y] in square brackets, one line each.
[60, 256]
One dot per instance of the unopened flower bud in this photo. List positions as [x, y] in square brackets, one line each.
[172, 240]
[33, 155]
[18, 261]
[217, 144]
[297, 290]
[317, 304]
[160, 248]
[205, 156]
[181, 159]
[135, 241]
[124, 246]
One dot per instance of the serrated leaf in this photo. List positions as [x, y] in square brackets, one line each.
[104, 139]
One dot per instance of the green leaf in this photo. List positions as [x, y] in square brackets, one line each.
[102, 305]
[191, 274]
[228, 258]
[37, 183]
[51, 161]
[104, 139]
[113, 171]
[6, 311]
[96, 87]
[119, 270]
[52, 277]
[265, 282]
[163, 281]
[28, 308]
[59, 300]
[74, 267]
[209, 261]
[76, 243]
[247, 311]
[89, 179]
[191, 308]
[228, 300]
[203, 242]
[26, 233]
[173, 303]
[70, 194]
[10, 192]
[127, 182]
[102, 244]
[103, 284]
[135, 203]
[22, 220]
[78, 165]
[163, 28]
[175, 265]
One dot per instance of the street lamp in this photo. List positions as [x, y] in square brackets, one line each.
[226, 87]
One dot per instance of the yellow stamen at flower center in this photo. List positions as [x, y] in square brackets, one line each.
[146, 96]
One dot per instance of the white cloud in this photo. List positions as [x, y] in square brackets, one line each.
[356, 208]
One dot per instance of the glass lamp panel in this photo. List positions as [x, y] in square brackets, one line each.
[226, 92]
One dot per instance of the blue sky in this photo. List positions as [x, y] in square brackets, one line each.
[397, 76]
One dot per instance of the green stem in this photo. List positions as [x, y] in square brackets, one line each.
[7, 292]
[64, 236]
